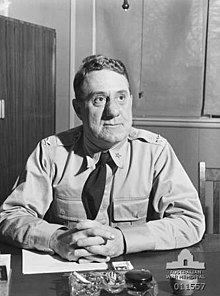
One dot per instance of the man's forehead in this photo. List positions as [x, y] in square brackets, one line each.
[105, 78]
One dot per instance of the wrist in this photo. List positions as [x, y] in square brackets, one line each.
[54, 238]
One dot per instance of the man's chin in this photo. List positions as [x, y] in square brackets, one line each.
[113, 138]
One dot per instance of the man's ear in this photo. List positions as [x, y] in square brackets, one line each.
[76, 107]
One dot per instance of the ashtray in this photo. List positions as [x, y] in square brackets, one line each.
[85, 284]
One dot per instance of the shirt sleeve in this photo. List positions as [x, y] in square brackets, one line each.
[175, 218]
[21, 215]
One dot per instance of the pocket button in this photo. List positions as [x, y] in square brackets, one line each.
[136, 215]
[62, 212]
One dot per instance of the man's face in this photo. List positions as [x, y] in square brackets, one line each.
[105, 107]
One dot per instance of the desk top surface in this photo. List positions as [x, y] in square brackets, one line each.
[207, 252]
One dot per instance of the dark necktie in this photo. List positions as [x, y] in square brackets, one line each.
[94, 187]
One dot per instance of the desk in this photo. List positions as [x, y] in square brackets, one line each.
[207, 251]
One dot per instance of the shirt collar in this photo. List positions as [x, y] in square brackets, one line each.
[117, 153]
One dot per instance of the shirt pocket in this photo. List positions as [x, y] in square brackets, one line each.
[131, 210]
[69, 209]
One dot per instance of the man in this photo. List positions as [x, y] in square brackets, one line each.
[147, 202]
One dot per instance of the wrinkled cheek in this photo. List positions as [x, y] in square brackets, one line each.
[128, 120]
[95, 125]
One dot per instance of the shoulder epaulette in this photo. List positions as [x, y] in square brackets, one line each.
[146, 135]
[66, 138]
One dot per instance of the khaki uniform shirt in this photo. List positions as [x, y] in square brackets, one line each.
[150, 197]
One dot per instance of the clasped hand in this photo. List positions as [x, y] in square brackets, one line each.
[88, 241]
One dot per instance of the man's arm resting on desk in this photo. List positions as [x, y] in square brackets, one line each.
[166, 233]
[72, 244]
[177, 223]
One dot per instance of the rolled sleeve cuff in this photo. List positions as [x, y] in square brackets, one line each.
[40, 235]
[138, 238]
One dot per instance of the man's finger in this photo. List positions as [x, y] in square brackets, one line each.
[91, 241]
[87, 224]
[94, 258]
[102, 232]
[78, 253]
[98, 250]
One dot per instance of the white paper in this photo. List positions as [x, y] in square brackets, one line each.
[5, 259]
[38, 262]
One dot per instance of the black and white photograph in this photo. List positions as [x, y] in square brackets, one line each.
[109, 147]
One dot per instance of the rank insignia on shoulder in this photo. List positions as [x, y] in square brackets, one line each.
[47, 141]
[157, 138]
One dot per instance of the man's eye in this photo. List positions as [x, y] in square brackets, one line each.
[99, 100]
[121, 98]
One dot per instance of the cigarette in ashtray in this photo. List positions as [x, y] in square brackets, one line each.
[81, 278]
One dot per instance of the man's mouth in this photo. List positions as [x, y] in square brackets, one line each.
[112, 124]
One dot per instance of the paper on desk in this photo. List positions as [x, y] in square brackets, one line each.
[5, 259]
[38, 262]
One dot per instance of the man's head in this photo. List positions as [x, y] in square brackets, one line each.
[103, 100]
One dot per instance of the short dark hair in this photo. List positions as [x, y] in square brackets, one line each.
[96, 63]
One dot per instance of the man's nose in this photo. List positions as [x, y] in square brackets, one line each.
[111, 109]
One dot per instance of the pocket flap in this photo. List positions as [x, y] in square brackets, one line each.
[70, 209]
[130, 210]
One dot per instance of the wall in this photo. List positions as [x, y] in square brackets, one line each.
[83, 12]
[54, 14]
[164, 50]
